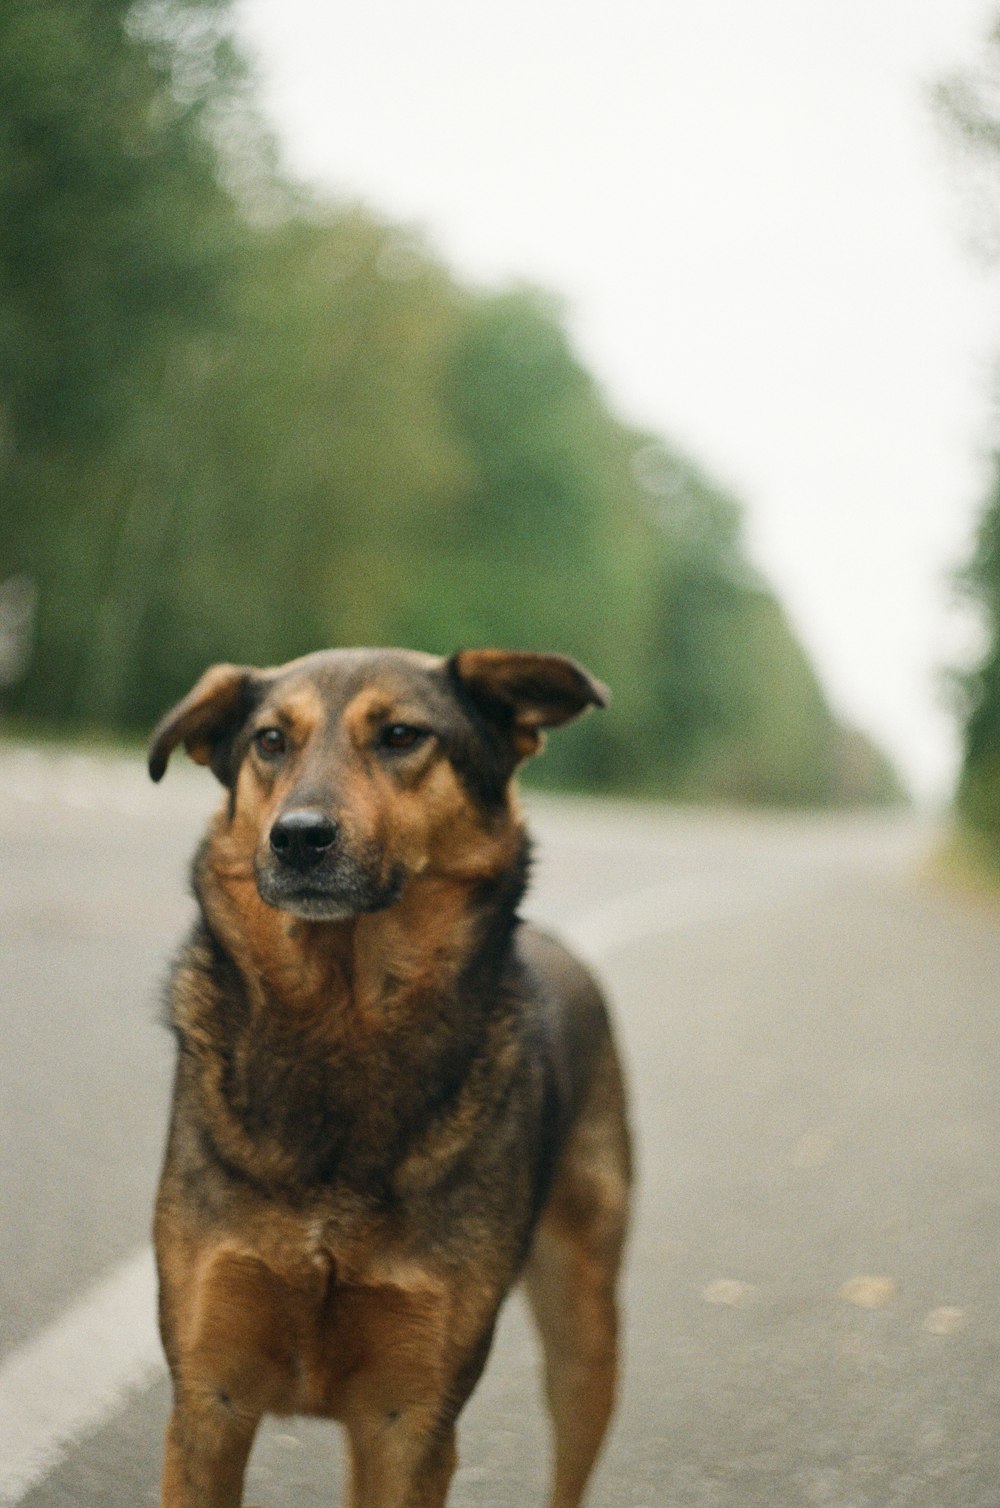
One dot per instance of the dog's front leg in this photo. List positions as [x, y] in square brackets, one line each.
[404, 1459]
[207, 1447]
[227, 1332]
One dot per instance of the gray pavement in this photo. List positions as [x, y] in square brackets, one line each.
[813, 1288]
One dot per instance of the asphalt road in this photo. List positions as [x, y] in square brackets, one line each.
[813, 1288]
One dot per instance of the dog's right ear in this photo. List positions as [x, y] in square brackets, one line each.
[205, 721]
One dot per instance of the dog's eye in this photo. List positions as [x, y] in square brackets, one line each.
[270, 742]
[400, 736]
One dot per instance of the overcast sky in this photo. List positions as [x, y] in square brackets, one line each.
[761, 238]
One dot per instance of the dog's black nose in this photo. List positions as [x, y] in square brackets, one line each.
[302, 837]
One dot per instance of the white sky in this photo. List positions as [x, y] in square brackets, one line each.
[761, 237]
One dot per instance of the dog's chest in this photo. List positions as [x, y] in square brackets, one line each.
[331, 1305]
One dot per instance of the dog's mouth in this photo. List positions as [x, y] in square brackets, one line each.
[330, 895]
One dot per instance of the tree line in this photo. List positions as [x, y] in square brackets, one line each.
[238, 421]
[969, 107]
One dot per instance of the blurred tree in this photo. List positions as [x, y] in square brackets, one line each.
[117, 241]
[238, 423]
[547, 547]
[971, 106]
[744, 717]
[316, 452]
[105, 188]
[979, 783]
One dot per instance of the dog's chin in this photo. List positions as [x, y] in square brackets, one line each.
[312, 906]
[324, 899]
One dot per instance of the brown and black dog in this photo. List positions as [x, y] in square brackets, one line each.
[393, 1099]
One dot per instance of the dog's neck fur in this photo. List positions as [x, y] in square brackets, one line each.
[443, 923]
[343, 1012]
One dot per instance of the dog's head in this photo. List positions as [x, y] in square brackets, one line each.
[352, 771]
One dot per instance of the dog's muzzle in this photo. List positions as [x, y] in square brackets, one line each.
[308, 870]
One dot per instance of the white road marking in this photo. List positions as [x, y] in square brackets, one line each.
[82, 1369]
[77, 1373]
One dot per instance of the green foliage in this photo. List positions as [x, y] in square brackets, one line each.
[979, 784]
[113, 236]
[236, 423]
[970, 107]
[116, 247]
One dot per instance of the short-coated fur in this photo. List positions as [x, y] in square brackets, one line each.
[393, 1099]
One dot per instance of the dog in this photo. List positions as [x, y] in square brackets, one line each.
[393, 1099]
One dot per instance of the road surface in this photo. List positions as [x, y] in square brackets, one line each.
[813, 1288]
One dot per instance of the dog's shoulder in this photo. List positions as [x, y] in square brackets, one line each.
[570, 990]
[570, 1007]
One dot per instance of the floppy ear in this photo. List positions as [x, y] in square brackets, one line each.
[205, 720]
[527, 692]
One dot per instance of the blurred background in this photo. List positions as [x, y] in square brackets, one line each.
[663, 338]
[663, 334]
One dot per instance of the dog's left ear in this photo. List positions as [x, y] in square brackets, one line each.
[527, 692]
[205, 720]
